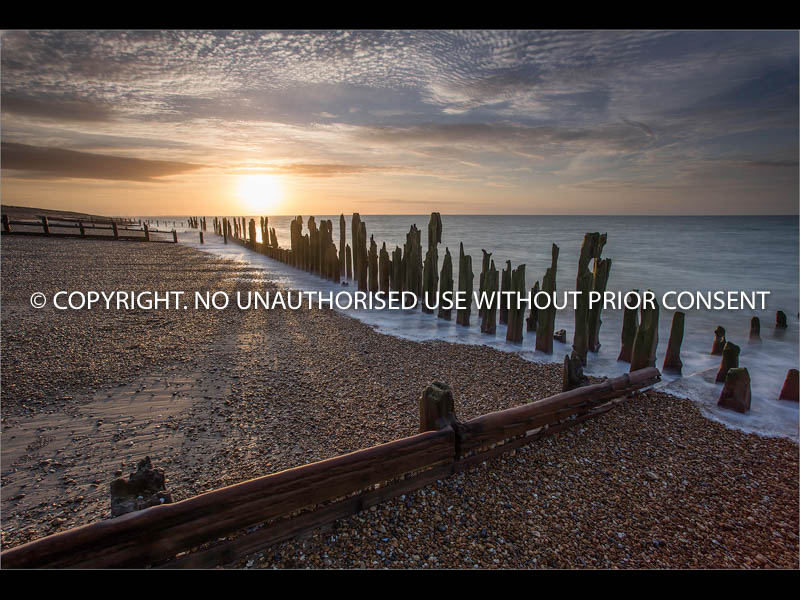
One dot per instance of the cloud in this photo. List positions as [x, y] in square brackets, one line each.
[37, 162]
[55, 108]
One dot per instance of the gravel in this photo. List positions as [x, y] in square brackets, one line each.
[220, 397]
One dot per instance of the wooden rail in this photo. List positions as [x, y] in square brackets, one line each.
[68, 223]
[324, 490]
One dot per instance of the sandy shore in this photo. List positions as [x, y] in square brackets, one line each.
[218, 398]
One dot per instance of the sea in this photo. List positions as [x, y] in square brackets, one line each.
[680, 253]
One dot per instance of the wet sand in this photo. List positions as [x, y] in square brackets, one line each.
[220, 397]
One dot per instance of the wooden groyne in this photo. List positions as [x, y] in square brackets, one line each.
[404, 269]
[121, 229]
[279, 506]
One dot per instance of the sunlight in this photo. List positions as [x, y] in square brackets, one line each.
[261, 193]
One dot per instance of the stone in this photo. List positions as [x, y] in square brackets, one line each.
[561, 336]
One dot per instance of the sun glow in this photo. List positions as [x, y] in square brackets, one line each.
[261, 193]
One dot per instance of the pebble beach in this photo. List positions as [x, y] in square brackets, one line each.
[220, 397]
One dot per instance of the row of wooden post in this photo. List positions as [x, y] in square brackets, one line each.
[405, 269]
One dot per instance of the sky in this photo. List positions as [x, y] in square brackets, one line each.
[400, 122]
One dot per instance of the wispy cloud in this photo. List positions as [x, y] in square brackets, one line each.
[36, 162]
[521, 109]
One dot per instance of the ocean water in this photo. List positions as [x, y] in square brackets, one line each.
[658, 253]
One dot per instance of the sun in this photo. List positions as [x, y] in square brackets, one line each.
[260, 193]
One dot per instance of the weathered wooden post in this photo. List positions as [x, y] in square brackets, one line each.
[373, 265]
[516, 310]
[645, 343]
[487, 256]
[505, 286]
[115, 230]
[349, 261]
[672, 360]
[6, 225]
[82, 228]
[384, 269]
[45, 224]
[398, 278]
[361, 257]
[602, 269]
[730, 360]
[342, 254]
[201, 237]
[719, 341]
[755, 331]
[736, 391]
[491, 288]
[225, 227]
[174, 236]
[355, 228]
[430, 270]
[591, 248]
[146, 232]
[790, 390]
[533, 318]
[436, 407]
[446, 285]
[412, 259]
[572, 374]
[547, 317]
[780, 320]
[464, 287]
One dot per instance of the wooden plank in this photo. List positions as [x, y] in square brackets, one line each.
[274, 533]
[505, 424]
[156, 533]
